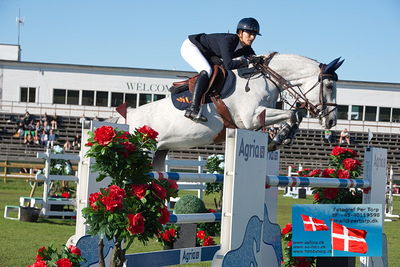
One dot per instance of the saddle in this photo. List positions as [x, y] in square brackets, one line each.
[215, 85]
[221, 85]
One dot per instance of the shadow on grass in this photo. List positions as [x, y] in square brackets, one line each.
[68, 222]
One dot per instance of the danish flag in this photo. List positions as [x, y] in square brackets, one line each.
[348, 239]
[312, 224]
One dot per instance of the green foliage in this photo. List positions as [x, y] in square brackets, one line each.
[215, 164]
[189, 204]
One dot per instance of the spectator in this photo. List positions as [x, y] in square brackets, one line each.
[328, 136]
[271, 133]
[344, 135]
[44, 118]
[67, 145]
[27, 117]
[44, 138]
[39, 126]
[77, 141]
[46, 127]
[20, 130]
[51, 139]
[28, 139]
[36, 139]
[53, 122]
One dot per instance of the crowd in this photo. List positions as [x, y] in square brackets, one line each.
[42, 131]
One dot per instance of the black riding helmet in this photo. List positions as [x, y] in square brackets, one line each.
[249, 25]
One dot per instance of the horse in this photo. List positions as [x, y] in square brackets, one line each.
[257, 89]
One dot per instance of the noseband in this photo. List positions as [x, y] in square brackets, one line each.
[300, 97]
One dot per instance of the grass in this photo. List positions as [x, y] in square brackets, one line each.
[19, 241]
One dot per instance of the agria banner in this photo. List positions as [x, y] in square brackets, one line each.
[337, 230]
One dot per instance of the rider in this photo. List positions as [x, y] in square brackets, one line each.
[203, 50]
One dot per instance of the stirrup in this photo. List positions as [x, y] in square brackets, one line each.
[195, 116]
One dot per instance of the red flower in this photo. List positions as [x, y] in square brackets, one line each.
[139, 190]
[114, 198]
[330, 193]
[287, 229]
[147, 131]
[172, 184]
[172, 232]
[64, 262]
[289, 244]
[208, 241]
[93, 198]
[164, 215]
[89, 144]
[66, 195]
[39, 258]
[104, 135]
[38, 264]
[351, 164]
[159, 190]
[201, 234]
[344, 174]
[136, 223]
[212, 211]
[128, 148]
[328, 173]
[314, 173]
[352, 152]
[165, 236]
[124, 135]
[74, 250]
[338, 150]
[316, 197]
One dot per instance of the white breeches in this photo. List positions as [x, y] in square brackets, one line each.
[192, 55]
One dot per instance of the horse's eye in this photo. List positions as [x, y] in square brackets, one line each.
[329, 86]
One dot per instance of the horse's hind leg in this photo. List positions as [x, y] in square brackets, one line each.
[159, 160]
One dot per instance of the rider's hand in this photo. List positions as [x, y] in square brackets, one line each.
[256, 60]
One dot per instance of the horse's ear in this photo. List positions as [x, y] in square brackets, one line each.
[337, 65]
[329, 68]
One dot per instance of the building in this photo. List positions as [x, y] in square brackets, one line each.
[95, 91]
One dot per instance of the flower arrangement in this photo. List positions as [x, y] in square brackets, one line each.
[288, 260]
[60, 167]
[133, 206]
[49, 257]
[203, 239]
[344, 165]
[212, 228]
[168, 235]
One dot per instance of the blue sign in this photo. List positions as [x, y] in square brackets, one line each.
[339, 230]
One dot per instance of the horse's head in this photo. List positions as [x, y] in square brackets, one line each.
[308, 84]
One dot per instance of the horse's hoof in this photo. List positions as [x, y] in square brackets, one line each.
[287, 141]
[272, 146]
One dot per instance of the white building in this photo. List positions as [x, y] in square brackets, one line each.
[73, 90]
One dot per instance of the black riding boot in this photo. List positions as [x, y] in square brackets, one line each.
[192, 112]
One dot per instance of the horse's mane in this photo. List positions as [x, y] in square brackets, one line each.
[292, 56]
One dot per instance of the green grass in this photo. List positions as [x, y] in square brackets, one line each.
[19, 241]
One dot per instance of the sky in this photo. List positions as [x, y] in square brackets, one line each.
[149, 34]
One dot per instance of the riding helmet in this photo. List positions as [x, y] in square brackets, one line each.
[249, 25]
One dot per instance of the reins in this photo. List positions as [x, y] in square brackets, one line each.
[299, 96]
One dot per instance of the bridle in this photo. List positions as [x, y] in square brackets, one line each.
[300, 97]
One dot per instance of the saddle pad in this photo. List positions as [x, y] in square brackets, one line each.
[182, 99]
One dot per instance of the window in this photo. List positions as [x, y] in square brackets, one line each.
[357, 113]
[342, 112]
[144, 99]
[28, 94]
[131, 99]
[59, 96]
[396, 115]
[370, 113]
[384, 114]
[117, 99]
[88, 98]
[158, 97]
[101, 99]
[72, 97]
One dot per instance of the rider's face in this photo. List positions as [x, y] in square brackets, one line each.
[246, 38]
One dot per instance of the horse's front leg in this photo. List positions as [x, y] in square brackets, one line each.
[288, 120]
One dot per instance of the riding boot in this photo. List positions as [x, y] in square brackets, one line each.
[193, 111]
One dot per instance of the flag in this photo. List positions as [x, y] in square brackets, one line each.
[121, 109]
[348, 239]
[312, 224]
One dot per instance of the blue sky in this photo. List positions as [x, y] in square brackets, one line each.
[148, 34]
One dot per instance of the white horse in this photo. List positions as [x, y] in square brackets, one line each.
[310, 82]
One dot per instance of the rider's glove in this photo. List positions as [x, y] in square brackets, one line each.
[256, 60]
